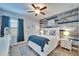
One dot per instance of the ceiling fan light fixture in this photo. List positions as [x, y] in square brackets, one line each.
[37, 11]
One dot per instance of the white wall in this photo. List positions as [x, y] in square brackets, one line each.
[31, 26]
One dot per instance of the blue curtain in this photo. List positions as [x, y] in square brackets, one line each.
[20, 35]
[5, 22]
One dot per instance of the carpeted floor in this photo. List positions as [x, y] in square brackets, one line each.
[24, 50]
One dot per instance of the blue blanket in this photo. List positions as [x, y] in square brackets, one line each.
[41, 41]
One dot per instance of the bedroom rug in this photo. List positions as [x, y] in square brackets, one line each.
[26, 51]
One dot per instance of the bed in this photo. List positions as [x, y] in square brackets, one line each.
[52, 43]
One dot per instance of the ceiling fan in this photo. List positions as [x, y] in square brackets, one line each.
[38, 10]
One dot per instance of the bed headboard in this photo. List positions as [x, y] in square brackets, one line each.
[51, 31]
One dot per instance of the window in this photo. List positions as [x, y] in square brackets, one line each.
[14, 23]
[14, 27]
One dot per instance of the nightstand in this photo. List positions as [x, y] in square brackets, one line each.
[66, 43]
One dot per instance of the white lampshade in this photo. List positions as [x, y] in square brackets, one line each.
[41, 31]
[66, 33]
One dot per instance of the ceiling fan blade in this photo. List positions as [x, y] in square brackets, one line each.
[42, 13]
[36, 14]
[30, 11]
[43, 8]
[33, 6]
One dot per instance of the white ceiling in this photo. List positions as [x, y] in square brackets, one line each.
[52, 8]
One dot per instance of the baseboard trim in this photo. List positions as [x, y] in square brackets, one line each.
[18, 43]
